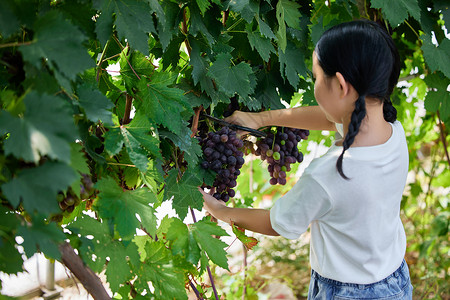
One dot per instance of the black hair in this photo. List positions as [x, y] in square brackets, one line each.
[366, 56]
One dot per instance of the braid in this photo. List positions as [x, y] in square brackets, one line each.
[389, 111]
[358, 115]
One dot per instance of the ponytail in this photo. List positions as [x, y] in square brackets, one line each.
[358, 114]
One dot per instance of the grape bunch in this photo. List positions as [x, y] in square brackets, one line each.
[69, 200]
[221, 154]
[280, 150]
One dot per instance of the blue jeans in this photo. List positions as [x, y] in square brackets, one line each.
[395, 286]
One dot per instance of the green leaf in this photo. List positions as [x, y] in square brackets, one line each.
[437, 58]
[46, 128]
[183, 242]
[118, 270]
[292, 64]
[133, 67]
[186, 143]
[113, 141]
[184, 192]
[265, 29]
[95, 104]
[133, 21]
[203, 232]
[78, 159]
[397, 11]
[281, 33]
[9, 23]
[166, 279]
[203, 5]
[10, 259]
[37, 187]
[290, 12]
[232, 79]
[41, 236]
[199, 27]
[438, 100]
[161, 103]
[123, 206]
[262, 44]
[57, 40]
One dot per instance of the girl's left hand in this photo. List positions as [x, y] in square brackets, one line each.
[211, 204]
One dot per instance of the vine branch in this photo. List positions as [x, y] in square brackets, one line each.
[126, 115]
[444, 142]
[85, 275]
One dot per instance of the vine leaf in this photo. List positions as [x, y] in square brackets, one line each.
[46, 128]
[41, 236]
[133, 20]
[190, 146]
[133, 67]
[37, 187]
[96, 106]
[159, 269]
[161, 103]
[184, 191]
[183, 241]
[437, 58]
[397, 11]
[232, 79]
[262, 44]
[204, 231]
[122, 207]
[59, 41]
[10, 259]
[9, 23]
[292, 64]
[248, 241]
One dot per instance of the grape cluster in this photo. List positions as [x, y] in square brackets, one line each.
[222, 155]
[68, 201]
[280, 150]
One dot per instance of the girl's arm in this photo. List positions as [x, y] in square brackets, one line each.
[305, 117]
[256, 220]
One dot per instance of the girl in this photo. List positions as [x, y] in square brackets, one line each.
[350, 197]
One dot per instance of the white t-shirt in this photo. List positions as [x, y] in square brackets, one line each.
[356, 232]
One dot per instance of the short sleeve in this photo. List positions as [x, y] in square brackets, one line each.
[305, 202]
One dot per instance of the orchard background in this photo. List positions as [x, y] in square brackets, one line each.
[100, 102]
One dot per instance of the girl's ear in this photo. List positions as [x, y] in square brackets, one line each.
[345, 87]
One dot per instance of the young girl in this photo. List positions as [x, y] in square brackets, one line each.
[350, 197]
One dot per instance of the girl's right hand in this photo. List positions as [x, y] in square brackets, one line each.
[247, 119]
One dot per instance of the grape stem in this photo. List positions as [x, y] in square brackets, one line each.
[207, 267]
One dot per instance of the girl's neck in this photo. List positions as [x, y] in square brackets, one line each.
[374, 129]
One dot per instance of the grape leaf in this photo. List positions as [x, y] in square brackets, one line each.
[232, 79]
[248, 241]
[9, 23]
[438, 100]
[10, 259]
[289, 10]
[46, 128]
[95, 104]
[183, 242]
[123, 206]
[203, 232]
[166, 279]
[118, 271]
[397, 11]
[265, 29]
[186, 143]
[437, 58]
[261, 44]
[292, 64]
[57, 40]
[133, 21]
[41, 236]
[203, 5]
[134, 66]
[78, 163]
[37, 187]
[199, 27]
[184, 192]
[162, 104]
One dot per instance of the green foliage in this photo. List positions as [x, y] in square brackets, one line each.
[109, 90]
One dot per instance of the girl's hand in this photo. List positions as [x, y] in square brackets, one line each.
[211, 204]
[247, 119]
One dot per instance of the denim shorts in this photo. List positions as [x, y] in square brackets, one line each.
[395, 286]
